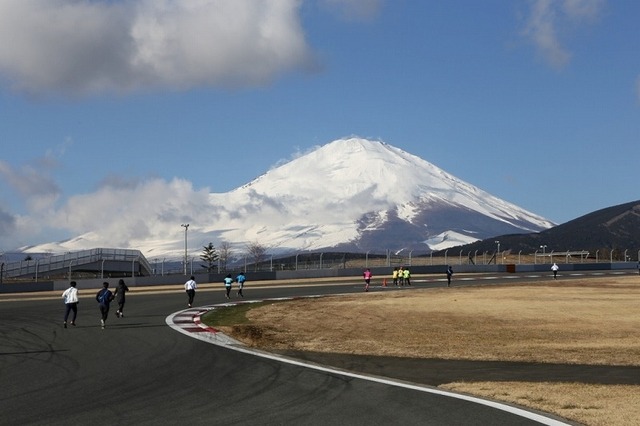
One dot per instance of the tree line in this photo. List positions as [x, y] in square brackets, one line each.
[217, 259]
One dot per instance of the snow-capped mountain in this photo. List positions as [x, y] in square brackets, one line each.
[351, 194]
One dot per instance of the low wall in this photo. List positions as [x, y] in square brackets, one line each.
[27, 287]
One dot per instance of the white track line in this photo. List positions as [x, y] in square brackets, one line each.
[212, 336]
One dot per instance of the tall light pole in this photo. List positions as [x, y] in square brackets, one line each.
[544, 250]
[186, 258]
[498, 253]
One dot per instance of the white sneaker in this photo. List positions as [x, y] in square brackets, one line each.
[102, 323]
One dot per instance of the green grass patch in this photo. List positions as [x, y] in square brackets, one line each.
[231, 315]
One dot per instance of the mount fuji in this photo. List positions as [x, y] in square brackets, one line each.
[350, 194]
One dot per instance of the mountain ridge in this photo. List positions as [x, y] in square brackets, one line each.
[351, 193]
[611, 229]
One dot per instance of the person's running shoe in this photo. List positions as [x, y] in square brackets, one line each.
[65, 324]
[102, 323]
[73, 323]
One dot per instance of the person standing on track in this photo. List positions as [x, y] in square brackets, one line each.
[104, 298]
[367, 278]
[449, 275]
[190, 287]
[228, 281]
[70, 297]
[121, 289]
[394, 276]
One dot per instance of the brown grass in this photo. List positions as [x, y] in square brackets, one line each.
[594, 322]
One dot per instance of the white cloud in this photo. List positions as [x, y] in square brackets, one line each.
[82, 47]
[548, 17]
[120, 213]
[33, 183]
[7, 225]
[124, 214]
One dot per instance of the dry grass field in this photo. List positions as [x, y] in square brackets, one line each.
[593, 323]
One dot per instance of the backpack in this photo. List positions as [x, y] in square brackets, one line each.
[104, 297]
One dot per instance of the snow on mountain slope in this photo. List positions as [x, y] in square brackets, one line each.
[348, 194]
[333, 195]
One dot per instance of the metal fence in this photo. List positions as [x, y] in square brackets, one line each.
[56, 264]
[332, 260]
[92, 261]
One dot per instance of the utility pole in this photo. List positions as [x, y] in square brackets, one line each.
[186, 258]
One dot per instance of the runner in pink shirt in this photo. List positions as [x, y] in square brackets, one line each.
[367, 279]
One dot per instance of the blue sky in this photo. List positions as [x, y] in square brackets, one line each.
[534, 101]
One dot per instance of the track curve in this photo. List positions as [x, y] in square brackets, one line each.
[139, 371]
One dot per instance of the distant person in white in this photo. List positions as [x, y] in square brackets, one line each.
[555, 268]
[70, 297]
[190, 287]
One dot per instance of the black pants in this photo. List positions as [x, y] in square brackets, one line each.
[104, 311]
[191, 293]
[71, 307]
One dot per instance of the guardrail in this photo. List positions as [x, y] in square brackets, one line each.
[75, 260]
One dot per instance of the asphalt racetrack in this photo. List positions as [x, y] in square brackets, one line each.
[140, 371]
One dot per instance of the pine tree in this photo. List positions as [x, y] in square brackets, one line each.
[210, 257]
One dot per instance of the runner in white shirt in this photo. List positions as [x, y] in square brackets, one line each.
[190, 287]
[70, 297]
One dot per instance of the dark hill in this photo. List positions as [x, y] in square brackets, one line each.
[614, 229]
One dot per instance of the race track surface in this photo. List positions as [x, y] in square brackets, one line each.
[140, 371]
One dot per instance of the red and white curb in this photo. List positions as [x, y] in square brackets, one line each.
[189, 322]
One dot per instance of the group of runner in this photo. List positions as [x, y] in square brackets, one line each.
[401, 276]
[104, 297]
[190, 286]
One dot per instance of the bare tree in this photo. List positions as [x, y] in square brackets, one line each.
[224, 254]
[257, 252]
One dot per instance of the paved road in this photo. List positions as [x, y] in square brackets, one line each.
[140, 371]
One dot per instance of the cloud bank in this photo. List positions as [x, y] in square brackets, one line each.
[549, 21]
[86, 47]
[117, 215]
